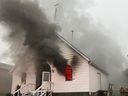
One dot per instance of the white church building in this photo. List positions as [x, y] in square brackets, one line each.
[84, 79]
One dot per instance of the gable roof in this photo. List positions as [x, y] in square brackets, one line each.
[81, 54]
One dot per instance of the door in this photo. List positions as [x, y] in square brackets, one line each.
[46, 78]
[43, 72]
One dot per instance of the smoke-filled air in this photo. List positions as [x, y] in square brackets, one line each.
[91, 38]
[31, 33]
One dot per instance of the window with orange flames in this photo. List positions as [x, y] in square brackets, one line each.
[68, 73]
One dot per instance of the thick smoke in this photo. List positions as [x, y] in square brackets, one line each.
[91, 38]
[30, 25]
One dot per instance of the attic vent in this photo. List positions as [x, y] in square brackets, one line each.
[68, 73]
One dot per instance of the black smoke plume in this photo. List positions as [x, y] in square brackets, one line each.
[39, 33]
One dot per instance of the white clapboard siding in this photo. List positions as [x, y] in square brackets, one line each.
[96, 82]
[31, 75]
[85, 76]
[66, 52]
[16, 80]
[80, 82]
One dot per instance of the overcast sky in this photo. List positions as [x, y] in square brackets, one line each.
[111, 14]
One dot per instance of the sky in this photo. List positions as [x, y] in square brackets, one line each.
[111, 14]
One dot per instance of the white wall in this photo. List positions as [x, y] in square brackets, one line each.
[85, 77]
[80, 82]
[31, 75]
[30, 79]
[95, 82]
[16, 80]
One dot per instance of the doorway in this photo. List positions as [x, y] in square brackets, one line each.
[43, 74]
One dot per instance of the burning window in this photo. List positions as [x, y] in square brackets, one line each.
[68, 73]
